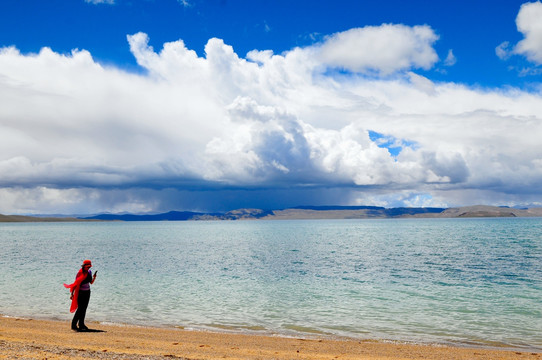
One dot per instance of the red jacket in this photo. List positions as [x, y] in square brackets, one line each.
[75, 288]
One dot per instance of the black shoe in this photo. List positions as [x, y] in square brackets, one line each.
[75, 328]
[83, 328]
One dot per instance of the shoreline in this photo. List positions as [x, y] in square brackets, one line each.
[257, 331]
[53, 339]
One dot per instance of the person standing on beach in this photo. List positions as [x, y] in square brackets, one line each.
[80, 295]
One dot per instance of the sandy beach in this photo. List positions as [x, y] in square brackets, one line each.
[38, 339]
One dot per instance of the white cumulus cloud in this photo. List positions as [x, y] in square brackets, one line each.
[385, 49]
[529, 23]
[219, 131]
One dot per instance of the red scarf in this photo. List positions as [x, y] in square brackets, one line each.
[75, 288]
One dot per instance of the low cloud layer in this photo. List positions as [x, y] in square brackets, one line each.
[344, 121]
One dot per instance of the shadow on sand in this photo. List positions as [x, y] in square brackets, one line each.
[91, 330]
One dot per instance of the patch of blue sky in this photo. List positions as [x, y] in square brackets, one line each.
[391, 143]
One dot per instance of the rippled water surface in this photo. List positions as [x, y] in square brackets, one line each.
[467, 281]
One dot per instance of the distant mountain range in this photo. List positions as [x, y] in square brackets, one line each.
[330, 212]
[301, 212]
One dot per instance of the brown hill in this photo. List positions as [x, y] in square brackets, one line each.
[489, 211]
[21, 218]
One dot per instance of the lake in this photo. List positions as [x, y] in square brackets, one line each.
[449, 281]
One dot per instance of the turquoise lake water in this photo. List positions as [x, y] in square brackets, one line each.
[462, 281]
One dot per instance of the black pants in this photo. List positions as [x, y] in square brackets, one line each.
[82, 304]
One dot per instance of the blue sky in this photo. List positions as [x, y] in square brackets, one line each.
[471, 29]
[149, 106]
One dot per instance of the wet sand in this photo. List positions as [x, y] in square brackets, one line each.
[38, 339]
